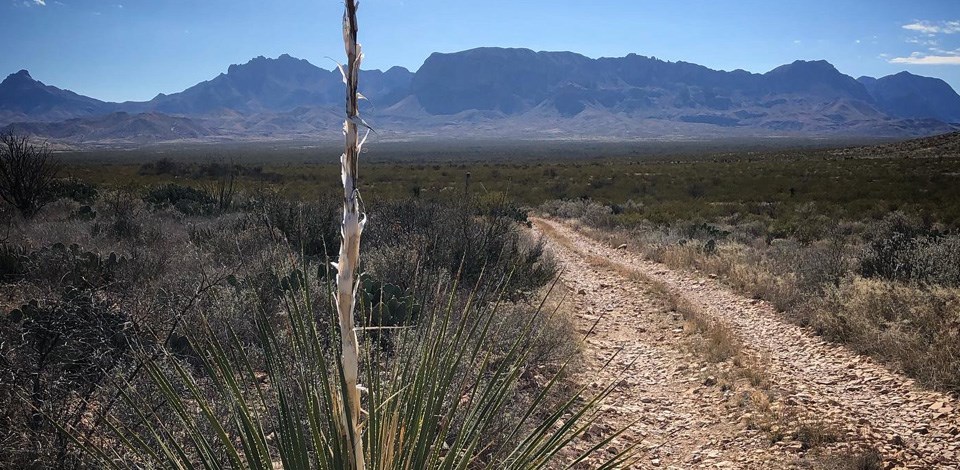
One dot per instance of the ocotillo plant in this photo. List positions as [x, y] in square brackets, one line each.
[350, 230]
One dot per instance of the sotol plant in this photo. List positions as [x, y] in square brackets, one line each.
[438, 398]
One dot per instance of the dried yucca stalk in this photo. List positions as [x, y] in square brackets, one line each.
[350, 231]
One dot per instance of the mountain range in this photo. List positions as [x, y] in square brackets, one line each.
[499, 93]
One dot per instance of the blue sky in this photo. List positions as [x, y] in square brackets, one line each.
[133, 49]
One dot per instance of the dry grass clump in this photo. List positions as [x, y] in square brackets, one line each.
[916, 328]
[863, 459]
[718, 342]
[788, 426]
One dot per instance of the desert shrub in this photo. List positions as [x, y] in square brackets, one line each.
[27, 172]
[84, 212]
[310, 228]
[216, 170]
[822, 263]
[122, 216]
[587, 211]
[890, 243]
[163, 166]
[186, 199]
[57, 354]
[706, 235]
[496, 204]
[13, 262]
[902, 248]
[451, 238]
[936, 260]
[74, 189]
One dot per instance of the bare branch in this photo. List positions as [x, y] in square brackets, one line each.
[26, 173]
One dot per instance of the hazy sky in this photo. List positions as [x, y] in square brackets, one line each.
[133, 49]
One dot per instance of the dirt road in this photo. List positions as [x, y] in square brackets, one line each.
[815, 404]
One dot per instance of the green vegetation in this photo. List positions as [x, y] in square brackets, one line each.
[136, 273]
[125, 314]
[863, 250]
[769, 188]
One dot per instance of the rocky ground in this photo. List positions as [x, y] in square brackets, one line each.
[780, 397]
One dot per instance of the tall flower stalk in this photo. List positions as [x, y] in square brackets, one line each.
[350, 231]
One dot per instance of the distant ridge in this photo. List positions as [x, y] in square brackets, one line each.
[911, 96]
[517, 93]
[22, 97]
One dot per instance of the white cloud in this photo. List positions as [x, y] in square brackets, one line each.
[919, 58]
[938, 51]
[42, 3]
[923, 42]
[934, 27]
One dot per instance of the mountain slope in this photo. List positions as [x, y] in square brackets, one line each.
[798, 97]
[817, 78]
[518, 93]
[276, 85]
[907, 95]
[23, 97]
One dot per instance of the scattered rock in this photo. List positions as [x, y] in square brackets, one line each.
[684, 418]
